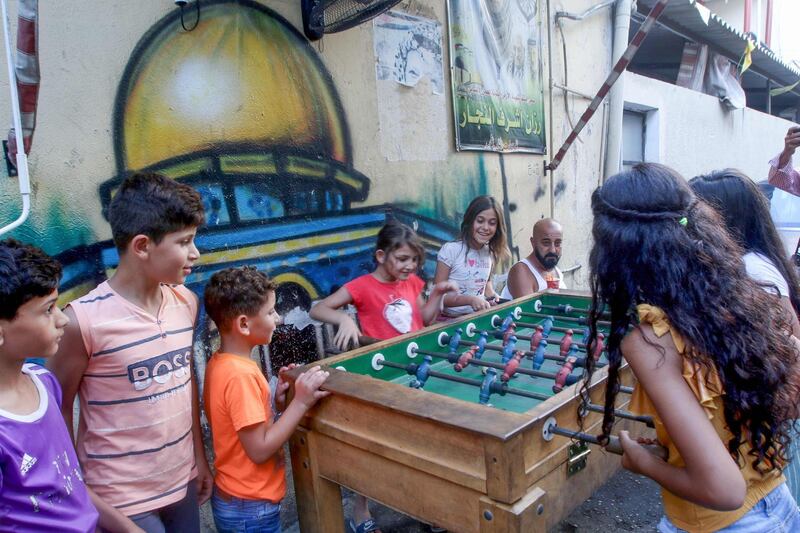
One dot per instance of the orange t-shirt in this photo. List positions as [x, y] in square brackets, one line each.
[237, 395]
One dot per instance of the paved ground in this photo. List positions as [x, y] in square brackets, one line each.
[628, 502]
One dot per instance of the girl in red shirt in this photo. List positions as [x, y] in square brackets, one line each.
[389, 300]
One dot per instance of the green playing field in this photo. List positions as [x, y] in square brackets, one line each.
[532, 312]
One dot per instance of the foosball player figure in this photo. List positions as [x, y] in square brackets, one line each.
[566, 342]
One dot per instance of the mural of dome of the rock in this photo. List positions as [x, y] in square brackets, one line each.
[242, 109]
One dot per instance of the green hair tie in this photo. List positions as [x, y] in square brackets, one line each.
[683, 221]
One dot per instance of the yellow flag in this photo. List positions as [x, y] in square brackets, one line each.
[747, 57]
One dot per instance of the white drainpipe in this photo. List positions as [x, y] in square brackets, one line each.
[22, 158]
[622, 22]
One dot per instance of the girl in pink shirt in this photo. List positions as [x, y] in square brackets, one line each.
[389, 302]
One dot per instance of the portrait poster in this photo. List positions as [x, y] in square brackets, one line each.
[408, 48]
[496, 73]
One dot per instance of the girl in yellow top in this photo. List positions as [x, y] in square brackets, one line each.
[722, 388]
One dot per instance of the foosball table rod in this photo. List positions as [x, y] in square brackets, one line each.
[461, 362]
[502, 324]
[644, 419]
[489, 384]
[551, 429]
[581, 345]
[582, 320]
[581, 361]
[531, 325]
[567, 308]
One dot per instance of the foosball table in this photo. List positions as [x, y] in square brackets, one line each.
[470, 425]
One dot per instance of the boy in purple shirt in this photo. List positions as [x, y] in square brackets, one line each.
[41, 484]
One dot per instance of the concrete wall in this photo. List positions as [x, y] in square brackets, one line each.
[694, 134]
[732, 12]
[124, 88]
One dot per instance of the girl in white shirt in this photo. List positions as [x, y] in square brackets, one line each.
[746, 212]
[470, 261]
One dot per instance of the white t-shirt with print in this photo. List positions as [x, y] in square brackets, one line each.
[469, 268]
[763, 271]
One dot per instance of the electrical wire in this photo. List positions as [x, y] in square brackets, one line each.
[566, 81]
[564, 15]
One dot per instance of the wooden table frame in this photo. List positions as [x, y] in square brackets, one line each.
[463, 466]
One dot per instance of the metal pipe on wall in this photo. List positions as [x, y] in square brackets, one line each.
[22, 157]
[748, 8]
[768, 30]
[622, 23]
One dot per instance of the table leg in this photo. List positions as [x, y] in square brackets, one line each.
[319, 501]
[523, 516]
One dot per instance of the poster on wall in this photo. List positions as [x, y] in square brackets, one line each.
[408, 48]
[496, 72]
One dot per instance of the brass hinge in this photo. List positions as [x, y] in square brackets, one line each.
[577, 455]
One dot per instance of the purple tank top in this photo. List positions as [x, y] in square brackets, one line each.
[41, 484]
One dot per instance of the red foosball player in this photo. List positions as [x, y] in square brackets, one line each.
[511, 367]
[599, 346]
[464, 360]
[564, 373]
[537, 337]
[566, 342]
[511, 330]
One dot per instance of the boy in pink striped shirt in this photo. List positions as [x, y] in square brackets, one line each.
[127, 353]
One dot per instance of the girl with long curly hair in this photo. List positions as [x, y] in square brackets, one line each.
[721, 387]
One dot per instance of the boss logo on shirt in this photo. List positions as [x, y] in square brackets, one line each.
[160, 368]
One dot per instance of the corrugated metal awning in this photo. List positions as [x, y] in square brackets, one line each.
[684, 17]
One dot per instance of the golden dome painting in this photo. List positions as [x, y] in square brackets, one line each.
[243, 75]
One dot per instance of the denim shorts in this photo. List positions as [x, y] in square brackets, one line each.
[235, 515]
[774, 513]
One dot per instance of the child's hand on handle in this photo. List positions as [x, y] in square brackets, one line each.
[479, 303]
[282, 387]
[306, 387]
[635, 457]
[347, 334]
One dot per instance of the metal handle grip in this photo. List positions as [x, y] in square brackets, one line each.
[614, 446]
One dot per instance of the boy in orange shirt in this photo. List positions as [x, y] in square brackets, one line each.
[248, 437]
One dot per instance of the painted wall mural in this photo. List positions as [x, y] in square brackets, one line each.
[243, 109]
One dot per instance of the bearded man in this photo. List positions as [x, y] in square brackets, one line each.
[538, 271]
